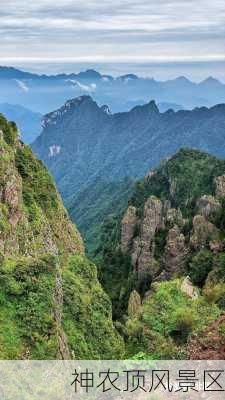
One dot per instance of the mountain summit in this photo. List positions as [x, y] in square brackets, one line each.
[83, 102]
[150, 108]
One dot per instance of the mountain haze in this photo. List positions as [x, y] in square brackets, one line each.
[44, 93]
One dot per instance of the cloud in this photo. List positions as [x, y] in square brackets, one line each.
[22, 85]
[86, 88]
[122, 30]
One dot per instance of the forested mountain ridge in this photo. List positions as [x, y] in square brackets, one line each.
[82, 143]
[52, 305]
[162, 261]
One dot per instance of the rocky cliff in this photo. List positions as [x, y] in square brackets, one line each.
[33, 219]
[169, 220]
[52, 305]
[167, 251]
[160, 220]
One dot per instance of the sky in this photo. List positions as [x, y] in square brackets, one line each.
[160, 38]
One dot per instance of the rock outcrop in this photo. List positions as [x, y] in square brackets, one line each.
[208, 205]
[204, 232]
[188, 288]
[175, 252]
[128, 225]
[174, 216]
[143, 247]
[220, 186]
[177, 224]
[134, 305]
[160, 218]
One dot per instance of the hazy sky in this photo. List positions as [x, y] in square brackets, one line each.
[146, 36]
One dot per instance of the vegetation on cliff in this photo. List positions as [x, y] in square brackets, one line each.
[52, 305]
[173, 228]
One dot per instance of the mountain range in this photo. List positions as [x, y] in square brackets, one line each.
[43, 93]
[82, 142]
[160, 257]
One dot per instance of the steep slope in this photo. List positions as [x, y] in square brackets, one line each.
[174, 227]
[28, 121]
[82, 142]
[52, 305]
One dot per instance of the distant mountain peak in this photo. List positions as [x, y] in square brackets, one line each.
[53, 117]
[14, 73]
[210, 81]
[128, 77]
[182, 79]
[89, 74]
[150, 108]
[78, 100]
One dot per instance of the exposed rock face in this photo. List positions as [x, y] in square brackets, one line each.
[173, 185]
[134, 305]
[158, 217]
[180, 226]
[175, 251]
[149, 175]
[129, 223]
[152, 218]
[220, 186]
[203, 232]
[208, 205]
[27, 226]
[188, 288]
[174, 216]
[143, 248]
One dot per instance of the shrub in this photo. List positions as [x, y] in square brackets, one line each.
[9, 130]
[168, 318]
[216, 294]
[184, 323]
[200, 266]
[222, 330]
